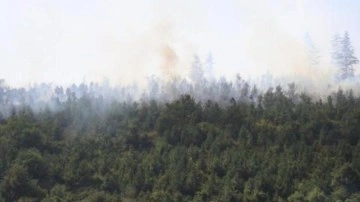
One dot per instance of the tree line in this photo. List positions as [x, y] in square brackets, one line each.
[286, 146]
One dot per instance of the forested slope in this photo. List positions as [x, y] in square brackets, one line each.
[277, 148]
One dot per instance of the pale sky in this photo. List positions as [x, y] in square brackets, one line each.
[70, 41]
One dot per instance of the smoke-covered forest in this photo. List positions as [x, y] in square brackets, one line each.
[156, 120]
[197, 139]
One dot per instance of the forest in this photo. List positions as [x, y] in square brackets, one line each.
[184, 139]
[242, 145]
[172, 101]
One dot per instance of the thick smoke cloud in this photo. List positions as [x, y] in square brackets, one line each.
[66, 42]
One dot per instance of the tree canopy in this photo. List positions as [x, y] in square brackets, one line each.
[283, 146]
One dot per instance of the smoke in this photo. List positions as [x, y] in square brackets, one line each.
[170, 61]
[66, 42]
[272, 38]
[272, 41]
[158, 50]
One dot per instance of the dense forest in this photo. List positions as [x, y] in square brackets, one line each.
[276, 145]
[172, 101]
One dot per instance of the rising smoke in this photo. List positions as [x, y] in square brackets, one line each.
[142, 54]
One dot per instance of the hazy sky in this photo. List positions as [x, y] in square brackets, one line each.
[69, 41]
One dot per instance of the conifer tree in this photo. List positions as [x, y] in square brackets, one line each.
[344, 56]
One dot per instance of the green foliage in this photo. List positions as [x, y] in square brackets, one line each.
[17, 183]
[282, 147]
[33, 161]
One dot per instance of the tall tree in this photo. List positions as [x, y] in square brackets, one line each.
[196, 72]
[344, 56]
[209, 63]
[313, 54]
[336, 46]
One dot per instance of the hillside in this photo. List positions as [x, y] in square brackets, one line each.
[274, 149]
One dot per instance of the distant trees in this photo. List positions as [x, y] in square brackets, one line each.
[196, 72]
[313, 53]
[344, 56]
[202, 70]
[209, 64]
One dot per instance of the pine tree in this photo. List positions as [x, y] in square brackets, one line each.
[344, 57]
[313, 54]
[196, 72]
[209, 63]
